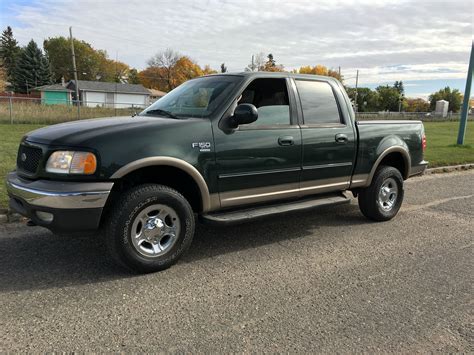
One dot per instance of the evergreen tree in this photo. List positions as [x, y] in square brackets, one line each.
[9, 51]
[399, 86]
[271, 65]
[31, 70]
[223, 68]
[133, 77]
[271, 61]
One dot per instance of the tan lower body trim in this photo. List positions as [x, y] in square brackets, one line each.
[275, 192]
[259, 194]
[214, 202]
[324, 185]
[360, 180]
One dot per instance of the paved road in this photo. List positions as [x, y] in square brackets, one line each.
[325, 281]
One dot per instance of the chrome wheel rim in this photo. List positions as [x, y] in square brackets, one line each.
[155, 230]
[388, 194]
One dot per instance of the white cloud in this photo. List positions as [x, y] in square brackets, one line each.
[427, 71]
[407, 40]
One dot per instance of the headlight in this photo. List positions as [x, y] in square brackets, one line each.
[70, 162]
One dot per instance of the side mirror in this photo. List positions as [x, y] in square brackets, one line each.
[245, 114]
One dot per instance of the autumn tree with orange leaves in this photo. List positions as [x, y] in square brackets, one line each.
[169, 69]
[319, 70]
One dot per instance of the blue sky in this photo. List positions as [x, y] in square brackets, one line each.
[424, 43]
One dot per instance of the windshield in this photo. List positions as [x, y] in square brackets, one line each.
[194, 98]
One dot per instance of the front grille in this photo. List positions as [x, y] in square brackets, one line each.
[28, 158]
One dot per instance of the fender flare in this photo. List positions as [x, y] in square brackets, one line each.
[173, 162]
[395, 149]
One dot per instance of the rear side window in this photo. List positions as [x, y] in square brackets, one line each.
[318, 102]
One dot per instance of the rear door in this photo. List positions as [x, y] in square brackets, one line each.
[328, 140]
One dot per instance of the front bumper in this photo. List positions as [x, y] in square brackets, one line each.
[58, 205]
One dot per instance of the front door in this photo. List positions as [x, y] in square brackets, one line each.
[329, 141]
[261, 161]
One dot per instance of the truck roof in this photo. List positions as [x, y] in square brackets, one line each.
[277, 74]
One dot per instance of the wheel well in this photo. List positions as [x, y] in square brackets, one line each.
[397, 161]
[165, 175]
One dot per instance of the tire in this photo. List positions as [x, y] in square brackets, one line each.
[383, 205]
[149, 228]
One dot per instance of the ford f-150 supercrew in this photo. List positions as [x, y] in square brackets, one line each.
[226, 148]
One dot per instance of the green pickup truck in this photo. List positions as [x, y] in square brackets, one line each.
[226, 148]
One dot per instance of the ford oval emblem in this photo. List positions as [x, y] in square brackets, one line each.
[23, 157]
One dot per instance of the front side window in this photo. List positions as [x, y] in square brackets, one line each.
[194, 98]
[270, 97]
[318, 102]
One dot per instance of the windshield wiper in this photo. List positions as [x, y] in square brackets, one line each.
[161, 112]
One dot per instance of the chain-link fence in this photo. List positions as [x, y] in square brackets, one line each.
[422, 116]
[39, 111]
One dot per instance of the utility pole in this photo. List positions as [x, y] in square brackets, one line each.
[116, 80]
[400, 100]
[356, 93]
[339, 71]
[75, 73]
[467, 94]
[253, 65]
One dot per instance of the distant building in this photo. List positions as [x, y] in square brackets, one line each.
[156, 94]
[114, 95]
[442, 108]
[55, 94]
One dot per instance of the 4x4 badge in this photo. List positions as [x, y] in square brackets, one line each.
[203, 146]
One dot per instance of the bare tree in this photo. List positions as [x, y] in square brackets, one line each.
[258, 62]
[165, 61]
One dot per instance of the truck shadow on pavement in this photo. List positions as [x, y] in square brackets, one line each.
[33, 258]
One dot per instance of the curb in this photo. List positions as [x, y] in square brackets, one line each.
[7, 216]
[449, 169]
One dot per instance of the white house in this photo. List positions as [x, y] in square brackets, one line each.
[115, 95]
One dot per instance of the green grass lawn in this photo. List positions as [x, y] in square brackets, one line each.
[10, 136]
[441, 147]
[441, 150]
[31, 112]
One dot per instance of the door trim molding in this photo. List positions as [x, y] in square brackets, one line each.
[324, 166]
[258, 172]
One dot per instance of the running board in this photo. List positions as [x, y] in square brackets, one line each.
[249, 213]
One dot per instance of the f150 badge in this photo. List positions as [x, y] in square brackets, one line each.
[203, 146]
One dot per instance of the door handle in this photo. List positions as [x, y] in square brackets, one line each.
[341, 138]
[286, 140]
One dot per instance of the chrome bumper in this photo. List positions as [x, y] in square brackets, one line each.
[59, 194]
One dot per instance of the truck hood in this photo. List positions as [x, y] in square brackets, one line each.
[88, 132]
